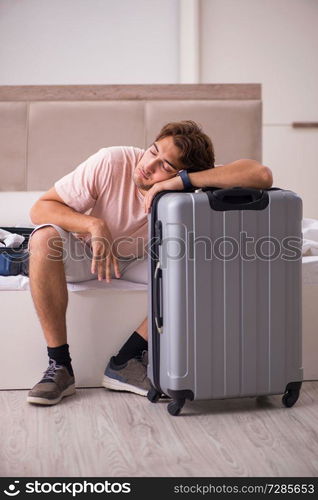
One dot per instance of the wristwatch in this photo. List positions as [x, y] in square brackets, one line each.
[185, 179]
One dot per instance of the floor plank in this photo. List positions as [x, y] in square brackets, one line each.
[111, 434]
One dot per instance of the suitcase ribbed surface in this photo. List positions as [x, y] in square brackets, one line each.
[231, 326]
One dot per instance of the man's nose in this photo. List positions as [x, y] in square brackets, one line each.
[151, 166]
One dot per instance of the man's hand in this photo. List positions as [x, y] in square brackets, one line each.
[103, 256]
[173, 184]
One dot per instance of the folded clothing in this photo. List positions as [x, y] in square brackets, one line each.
[10, 240]
[310, 237]
[14, 255]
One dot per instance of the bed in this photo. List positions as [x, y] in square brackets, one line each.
[46, 131]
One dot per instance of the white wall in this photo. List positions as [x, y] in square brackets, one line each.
[275, 43]
[88, 41]
[272, 42]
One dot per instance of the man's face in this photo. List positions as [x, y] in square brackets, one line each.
[160, 162]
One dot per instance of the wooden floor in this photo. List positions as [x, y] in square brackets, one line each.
[110, 434]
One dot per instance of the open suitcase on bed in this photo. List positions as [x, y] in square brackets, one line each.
[224, 302]
[14, 261]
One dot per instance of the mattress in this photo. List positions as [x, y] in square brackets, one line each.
[21, 282]
[310, 252]
[309, 268]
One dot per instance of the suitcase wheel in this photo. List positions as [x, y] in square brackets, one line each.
[153, 395]
[175, 407]
[292, 394]
[290, 398]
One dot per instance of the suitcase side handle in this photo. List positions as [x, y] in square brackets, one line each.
[238, 198]
[157, 297]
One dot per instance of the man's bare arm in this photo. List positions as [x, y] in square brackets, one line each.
[244, 173]
[51, 208]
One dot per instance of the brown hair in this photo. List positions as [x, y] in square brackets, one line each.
[197, 152]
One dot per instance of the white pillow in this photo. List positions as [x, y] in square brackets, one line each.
[15, 207]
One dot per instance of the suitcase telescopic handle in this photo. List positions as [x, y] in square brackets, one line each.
[238, 198]
[157, 297]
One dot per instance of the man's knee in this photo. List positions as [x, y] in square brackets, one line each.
[46, 241]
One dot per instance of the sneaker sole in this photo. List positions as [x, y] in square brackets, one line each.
[116, 385]
[44, 401]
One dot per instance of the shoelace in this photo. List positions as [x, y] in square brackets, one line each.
[144, 358]
[144, 361]
[51, 370]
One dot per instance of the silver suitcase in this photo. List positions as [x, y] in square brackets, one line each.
[224, 302]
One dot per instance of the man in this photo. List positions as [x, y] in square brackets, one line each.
[99, 212]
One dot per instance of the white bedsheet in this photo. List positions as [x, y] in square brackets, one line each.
[310, 251]
[309, 272]
[310, 237]
[21, 282]
[309, 268]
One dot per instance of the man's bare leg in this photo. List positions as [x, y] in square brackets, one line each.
[48, 285]
[50, 297]
[143, 329]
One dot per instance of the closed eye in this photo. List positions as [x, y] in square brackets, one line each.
[168, 170]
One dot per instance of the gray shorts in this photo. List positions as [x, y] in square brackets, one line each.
[77, 258]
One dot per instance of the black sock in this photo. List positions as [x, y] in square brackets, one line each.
[62, 356]
[131, 349]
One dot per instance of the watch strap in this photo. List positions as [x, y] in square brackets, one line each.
[185, 179]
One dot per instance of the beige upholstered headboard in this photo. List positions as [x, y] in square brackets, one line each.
[46, 131]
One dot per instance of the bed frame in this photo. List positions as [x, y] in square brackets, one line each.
[46, 131]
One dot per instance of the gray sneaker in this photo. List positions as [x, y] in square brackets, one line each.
[131, 376]
[55, 384]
